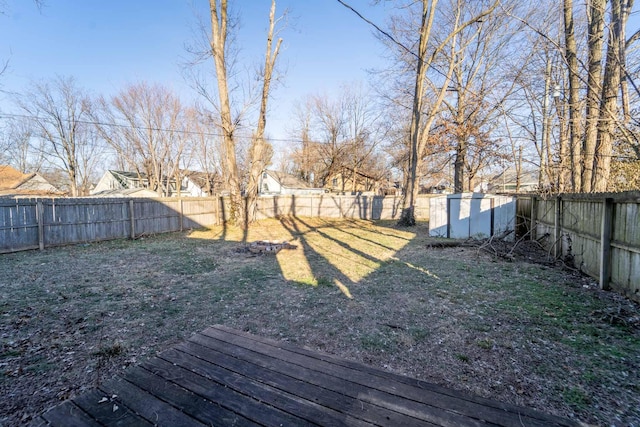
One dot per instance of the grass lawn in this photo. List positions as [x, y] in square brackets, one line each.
[518, 332]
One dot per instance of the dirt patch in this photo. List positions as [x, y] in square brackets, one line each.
[504, 328]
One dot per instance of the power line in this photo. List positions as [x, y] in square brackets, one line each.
[138, 127]
[210, 134]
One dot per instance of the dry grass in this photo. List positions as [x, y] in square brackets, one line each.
[513, 331]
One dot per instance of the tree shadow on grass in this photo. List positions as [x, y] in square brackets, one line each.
[341, 253]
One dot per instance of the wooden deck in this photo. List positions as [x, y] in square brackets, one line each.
[225, 377]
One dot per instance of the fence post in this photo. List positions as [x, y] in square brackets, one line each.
[557, 238]
[217, 198]
[448, 217]
[533, 220]
[181, 215]
[133, 219]
[605, 243]
[40, 214]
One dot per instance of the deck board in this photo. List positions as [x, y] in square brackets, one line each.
[290, 380]
[222, 376]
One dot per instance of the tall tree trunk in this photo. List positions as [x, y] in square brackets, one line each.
[518, 170]
[459, 164]
[562, 177]
[218, 46]
[544, 175]
[407, 217]
[624, 85]
[354, 183]
[609, 103]
[460, 183]
[73, 180]
[574, 94]
[260, 154]
[595, 39]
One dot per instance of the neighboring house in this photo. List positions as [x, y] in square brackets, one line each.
[200, 184]
[435, 186]
[113, 183]
[506, 181]
[279, 183]
[131, 184]
[14, 183]
[347, 180]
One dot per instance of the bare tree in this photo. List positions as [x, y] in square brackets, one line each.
[595, 37]
[339, 137]
[218, 49]
[146, 126]
[204, 148]
[260, 151]
[609, 111]
[59, 111]
[571, 58]
[322, 134]
[424, 113]
[19, 147]
[241, 166]
[483, 80]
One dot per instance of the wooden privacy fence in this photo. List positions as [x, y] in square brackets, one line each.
[39, 223]
[599, 233]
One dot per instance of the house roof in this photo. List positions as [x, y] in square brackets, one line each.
[510, 175]
[200, 178]
[288, 180]
[127, 192]
[16, 183]
[11, 178]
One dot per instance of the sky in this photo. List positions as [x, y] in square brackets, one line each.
[106, 45]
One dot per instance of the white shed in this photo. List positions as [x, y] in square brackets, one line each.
[460, 216]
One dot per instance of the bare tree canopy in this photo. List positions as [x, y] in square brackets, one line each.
[59, 112]
[339, 140]
[148, 127]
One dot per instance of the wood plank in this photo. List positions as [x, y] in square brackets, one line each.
[147, 405]
[354, 409]
[395, 377]
[38, 422]
[423, 405]
[112, 412]
[227, 377]
[231, 400]
[67, 414]
[287, 393]
[191, 404]
[417, 390]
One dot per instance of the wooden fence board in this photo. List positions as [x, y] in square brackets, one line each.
[615, 255]
[80, 220]
[18, 225]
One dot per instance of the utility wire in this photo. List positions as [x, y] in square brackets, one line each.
[211, 134]
[389, 36]
[137, 127]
